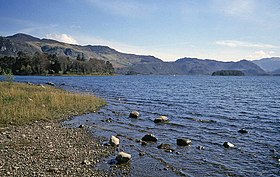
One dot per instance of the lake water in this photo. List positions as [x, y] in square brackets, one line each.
[208, 110]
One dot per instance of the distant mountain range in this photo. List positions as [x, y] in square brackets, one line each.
[270, 65]
[131, 63]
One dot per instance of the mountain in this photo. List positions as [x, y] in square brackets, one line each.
[122, 62]
[192, 66]
[11, 45]
[269, 64]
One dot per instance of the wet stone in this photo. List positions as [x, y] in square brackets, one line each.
[183, 142]
[134, 114]
[243, 131]
[228, 145]
[149, 137]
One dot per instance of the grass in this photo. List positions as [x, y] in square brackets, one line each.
[23, 103]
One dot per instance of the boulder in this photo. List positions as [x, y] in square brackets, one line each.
[161, 119]
[242, 131]
[183, 142]
[134, 114]
[123, 157]
[228, 145]
[114, 141]
[149, 137]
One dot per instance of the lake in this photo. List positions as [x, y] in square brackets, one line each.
[208, 110]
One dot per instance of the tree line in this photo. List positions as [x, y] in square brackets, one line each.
[51, 64]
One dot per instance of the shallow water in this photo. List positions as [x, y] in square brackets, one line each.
[208, 110]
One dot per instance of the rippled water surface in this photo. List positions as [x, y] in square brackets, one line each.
[208, 110]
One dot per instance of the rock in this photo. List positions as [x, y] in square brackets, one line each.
[134, 114]
[183, 142]
[82, 126]
[164, 146]
[200, 147]
[144, 143]
[142, 153]
[161, 119]
[228, 145]
[50, 83]
[149, 137]
[123, 157]
[114, 141]
[242, 131]
[169, 150]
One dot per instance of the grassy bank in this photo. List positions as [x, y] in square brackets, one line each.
[22, 103]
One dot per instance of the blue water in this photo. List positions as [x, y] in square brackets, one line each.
[208, 110]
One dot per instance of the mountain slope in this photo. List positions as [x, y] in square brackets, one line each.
[11, 45]
[122, 62]
[269, 64]
[192, 66]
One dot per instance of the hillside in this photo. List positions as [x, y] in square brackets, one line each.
[269, 64]
[123, 63]
[192, 66]
[11, 45]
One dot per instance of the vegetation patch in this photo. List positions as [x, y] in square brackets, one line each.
[22, 103]
[228, 73]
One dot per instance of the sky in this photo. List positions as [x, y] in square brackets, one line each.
[225, 30]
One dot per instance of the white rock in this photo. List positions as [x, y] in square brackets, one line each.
[114, 141]
[123, 157]
[161, 119]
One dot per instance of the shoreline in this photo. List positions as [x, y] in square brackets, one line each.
[48, 148]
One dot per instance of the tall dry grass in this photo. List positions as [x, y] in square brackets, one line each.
[22, 103]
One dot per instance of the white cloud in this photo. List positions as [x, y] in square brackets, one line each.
[62, 38]
[261, 54]
[235, 43]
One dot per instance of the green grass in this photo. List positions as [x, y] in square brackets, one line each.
[22, 103]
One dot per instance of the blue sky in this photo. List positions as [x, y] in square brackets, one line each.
[227, 30]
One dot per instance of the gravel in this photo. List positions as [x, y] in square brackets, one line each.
[48, 149]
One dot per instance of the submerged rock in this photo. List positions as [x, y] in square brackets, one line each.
[149, 137]
[114, 141]
[134, 114]
[164, 146]
[183, 142]
[142, 153]
[123, 157]
[161, 119]
[242, 131]
[228, 145]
